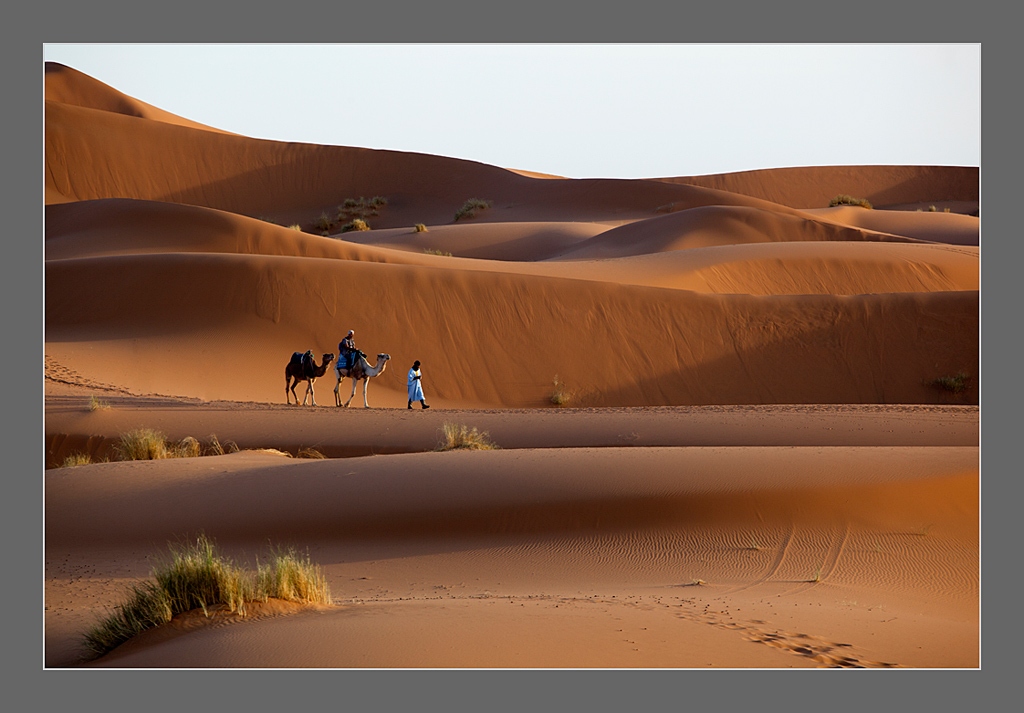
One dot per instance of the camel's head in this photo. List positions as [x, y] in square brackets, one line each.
[382, 357]
[327, 358]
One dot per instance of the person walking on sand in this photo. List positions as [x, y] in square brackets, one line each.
[415, 387]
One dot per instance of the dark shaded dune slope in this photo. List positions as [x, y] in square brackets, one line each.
[678, 347]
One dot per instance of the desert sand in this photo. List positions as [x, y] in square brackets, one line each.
[752, 465]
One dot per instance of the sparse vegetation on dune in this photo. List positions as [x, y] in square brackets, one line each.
[420, 228]
[324, 222]
[435, 251]
[97, 404]
[197, 576]
[954, 384]
[469, 208]
[355, 224]
[147, 444]
[844, 199]
[76, 459]
[456, 436]
[561, 395]
[361, 207]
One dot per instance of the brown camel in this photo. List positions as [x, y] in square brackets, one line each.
[303, 370]
[360, 370]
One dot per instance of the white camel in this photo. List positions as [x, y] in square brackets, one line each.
[360, 370]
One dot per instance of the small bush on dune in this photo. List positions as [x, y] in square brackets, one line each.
[460, 437]
[953, 384]
[850, 200]
[187, 447]
[561, 396]
[356, 224]
[324, 222]
[147, 444]
[76, 459]
[311, 453]
[96, 404]
[295, 226]
[142, 444]
[214, 447]
[470, 208]
[292, 578]
[420, 228]
[361, 208]
[197, 576]
[434, 251]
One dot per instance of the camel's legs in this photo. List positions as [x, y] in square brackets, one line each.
[290, 387]
[366, 382]
[338, 378]
[354, 383]
[309, 393]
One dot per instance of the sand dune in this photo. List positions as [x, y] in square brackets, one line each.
[757, 466]
[816, 186]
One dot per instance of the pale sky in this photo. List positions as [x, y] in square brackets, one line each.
[581, 111]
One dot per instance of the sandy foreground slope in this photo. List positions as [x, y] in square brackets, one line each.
[756, 467]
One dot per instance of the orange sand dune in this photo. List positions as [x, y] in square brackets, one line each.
[69, 86]
[951, 228]
[816, 186]
[247, 314]
[730, 548]
[121, 227]
[755, 465]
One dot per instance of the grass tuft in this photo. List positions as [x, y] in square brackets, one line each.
[197, 576]
[311, 453]
[147, 444]
[460, 437]
[76, 459]
[324, 222]
[214, 447]
[844, 199]
[953, 384]
[141, 444]
[469, 208]
[355, 224]
[96, 404]
[561, 396]
[435, 251]
[420, 228]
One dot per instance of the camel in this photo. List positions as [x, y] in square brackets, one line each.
[303, 372]
[360, 370]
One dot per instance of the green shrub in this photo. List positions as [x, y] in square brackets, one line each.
[470, 208]
[849, 200]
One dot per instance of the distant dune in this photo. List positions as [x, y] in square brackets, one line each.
[754, 413]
